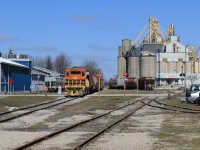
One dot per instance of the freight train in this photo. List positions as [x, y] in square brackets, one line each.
[144, 83]
[79, 82]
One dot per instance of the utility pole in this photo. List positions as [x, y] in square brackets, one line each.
[137, 83]
[38, 77]
[185, 71]
[99, 76]
[182, 77]
[124, 75]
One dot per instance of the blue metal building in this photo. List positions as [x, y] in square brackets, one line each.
[24, 77]
[14, 76]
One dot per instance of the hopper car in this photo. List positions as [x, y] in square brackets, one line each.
[79, 82]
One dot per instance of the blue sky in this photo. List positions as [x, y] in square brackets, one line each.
[89, 29]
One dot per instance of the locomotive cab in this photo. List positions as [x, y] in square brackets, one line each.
[76, 82]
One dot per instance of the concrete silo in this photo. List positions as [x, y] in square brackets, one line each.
[148, 66]
[120, 51]
[121, 66]
[133, 67]
[126, 46]
[148, 70]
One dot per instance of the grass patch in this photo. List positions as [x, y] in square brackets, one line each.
[94, 103]
[179, 130]
[178, 102]
[87, 107]
[177, 137]
[22, 101]
[121, 91]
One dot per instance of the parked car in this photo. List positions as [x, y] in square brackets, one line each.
[193, 94]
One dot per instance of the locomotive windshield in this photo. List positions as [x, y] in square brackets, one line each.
[75, 72]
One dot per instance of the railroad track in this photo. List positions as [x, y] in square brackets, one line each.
[120, 119]
[184, 108]
[46, 137]
[174, 108]
[7, 116]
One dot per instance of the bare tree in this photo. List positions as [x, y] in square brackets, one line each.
[61, 63]
[91, 66]
[192, 78]
[48, 62]
[38, 61]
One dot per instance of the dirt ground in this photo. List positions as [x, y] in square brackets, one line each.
[149, 128]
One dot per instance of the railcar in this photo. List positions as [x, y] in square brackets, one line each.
[79, 82]
[146, 83]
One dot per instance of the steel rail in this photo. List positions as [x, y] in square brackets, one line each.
[26, 113]
[23, 108]
[176, 106]
[110, 126]
[193, 112]
[51, 135]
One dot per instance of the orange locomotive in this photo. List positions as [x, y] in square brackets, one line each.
[79, 82]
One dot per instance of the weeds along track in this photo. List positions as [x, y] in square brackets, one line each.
[173, 108]
[97, 134]
[9, 115]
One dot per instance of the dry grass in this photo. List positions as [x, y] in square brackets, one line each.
[179, 130]
[86, 107]
[22, 101]
[127, 91]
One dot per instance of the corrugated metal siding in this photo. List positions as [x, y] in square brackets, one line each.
[154, 48]
[196, 67]
[188, 67]
[21, 77]
[175, 67]
[199, 66]
[179, 67]
[166, 67]
[171, 67]
[161, 66]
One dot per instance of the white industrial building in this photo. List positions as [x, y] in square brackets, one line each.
[159, 56]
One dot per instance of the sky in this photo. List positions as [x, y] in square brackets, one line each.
[90, 29]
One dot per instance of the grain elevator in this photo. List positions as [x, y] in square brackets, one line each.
[158, 60]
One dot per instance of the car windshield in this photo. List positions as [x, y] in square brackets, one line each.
[195, 88]
[75, 72]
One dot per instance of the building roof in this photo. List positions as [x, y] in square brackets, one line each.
[7, 61]
[47, 71]
[39, 72]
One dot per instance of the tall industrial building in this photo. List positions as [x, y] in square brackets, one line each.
[159, 57]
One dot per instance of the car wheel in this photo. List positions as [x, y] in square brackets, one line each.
[197, 100]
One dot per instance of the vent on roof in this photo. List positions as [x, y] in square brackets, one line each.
[23, 56]
[12, 56]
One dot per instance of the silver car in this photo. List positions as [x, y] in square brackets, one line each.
[193, 94]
